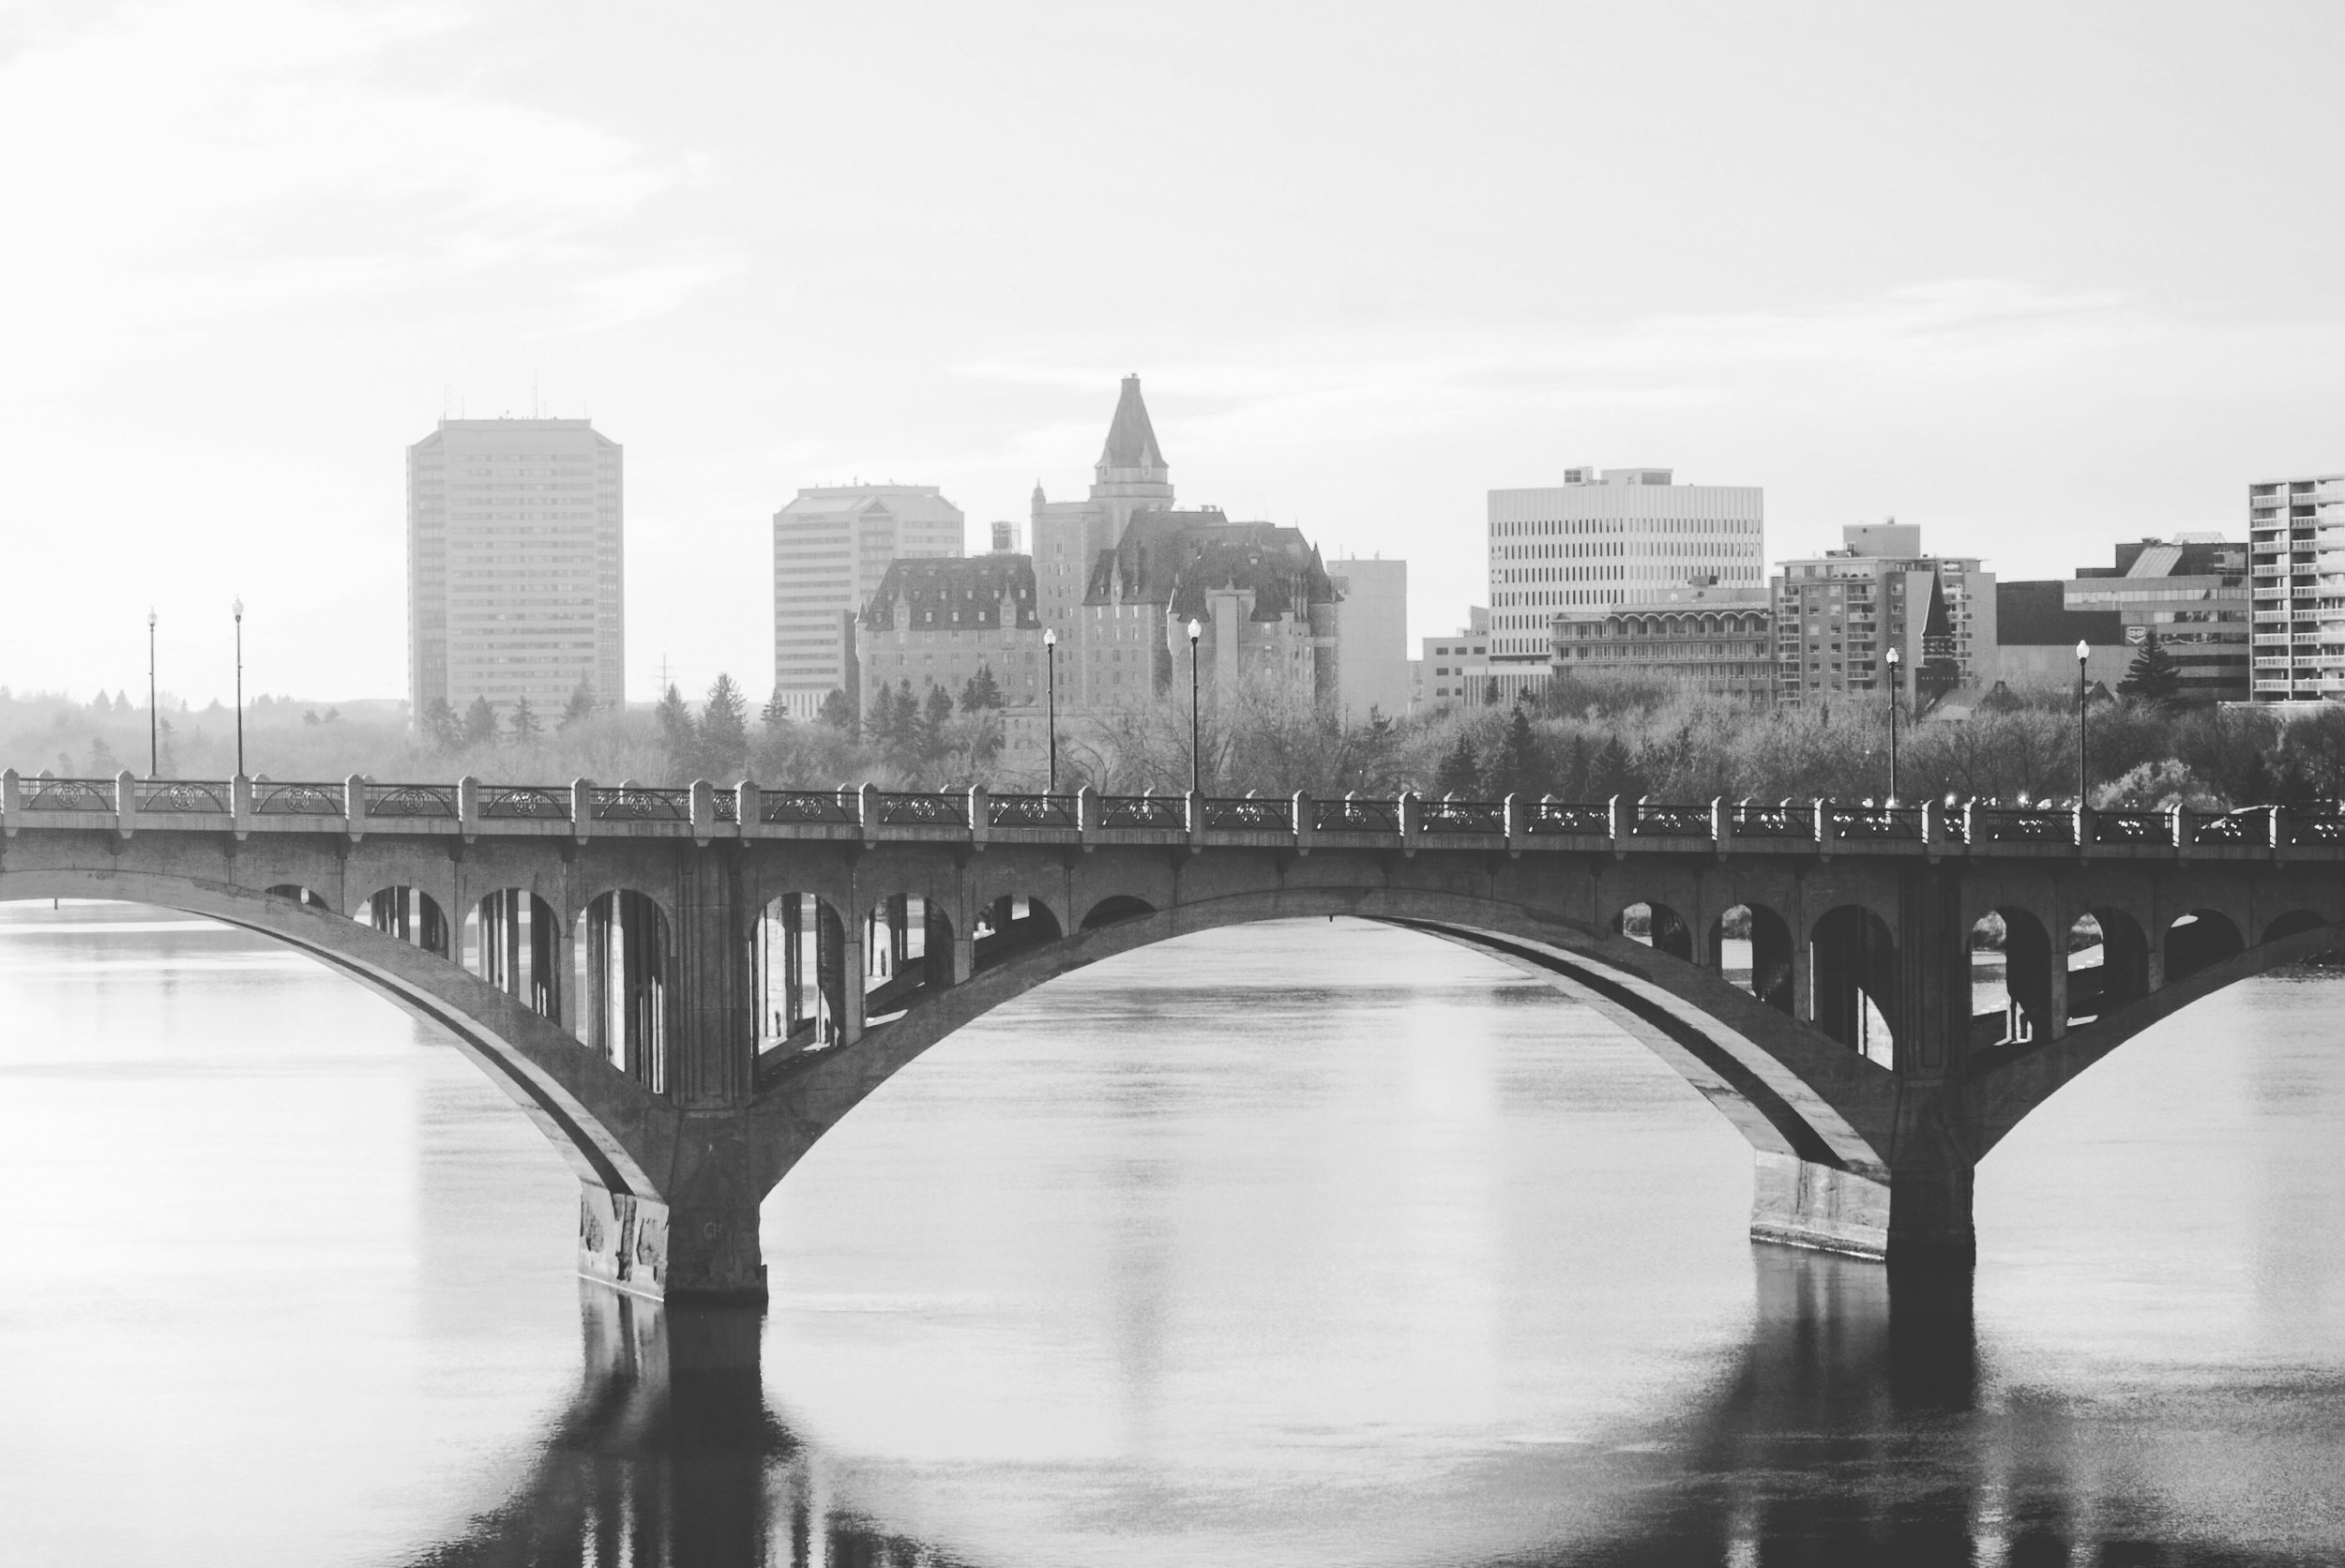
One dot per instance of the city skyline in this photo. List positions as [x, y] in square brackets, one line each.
[2018, 308]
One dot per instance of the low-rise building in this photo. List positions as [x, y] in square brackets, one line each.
[1837, 615]
[1456, 668]
[939, 622]
[1718, 642]
[2038, 631]
[2192, 593]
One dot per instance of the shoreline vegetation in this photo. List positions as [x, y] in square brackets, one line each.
[1585, 740]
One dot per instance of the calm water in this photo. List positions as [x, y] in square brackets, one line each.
[1313, 1244]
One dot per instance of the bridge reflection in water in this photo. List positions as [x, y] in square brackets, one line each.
[1847, 1430]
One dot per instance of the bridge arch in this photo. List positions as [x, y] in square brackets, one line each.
[1788, 1091]
[577, 1102]
[2028, 958]
[1772, 960]
[2199, 938]
[412, 915]
[1658, 927]
[1852, 975]
[1116, 908]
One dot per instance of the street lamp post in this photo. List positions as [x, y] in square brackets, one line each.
[1894, 661]
[153, 748]
[2083, 653]
[1050, 686]
[1196, 767]
[237, 609]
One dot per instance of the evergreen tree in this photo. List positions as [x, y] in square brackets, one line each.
[1612, 772]
[777, 713]
[441, 729]
[480, 723]
[724, 738]
[581, 706]
[836, 713]
[937, 712]
[1460, 774]
[2153, 677]
[1517, 769]
[524, 722]
[101, 757]
[981, 692]
[676, 730]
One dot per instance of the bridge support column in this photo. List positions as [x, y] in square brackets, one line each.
[1801, 1203]
[700, 1247]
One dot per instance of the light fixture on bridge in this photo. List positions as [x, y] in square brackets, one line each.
[2083, 653]
[1049, 678]
[1894, 660]
[237, 611]
[153, 749]
[1196, 770]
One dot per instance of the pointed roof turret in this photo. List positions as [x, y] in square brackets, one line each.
[1131, 439]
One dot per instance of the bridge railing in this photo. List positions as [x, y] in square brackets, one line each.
[471, 807]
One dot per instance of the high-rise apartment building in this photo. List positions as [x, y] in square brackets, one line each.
[514, 557]
[1622, 536]
[832, 547]
[1837, 616]
[1371, 637]
[2296, 550]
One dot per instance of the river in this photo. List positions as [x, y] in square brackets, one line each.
[1318, 1242]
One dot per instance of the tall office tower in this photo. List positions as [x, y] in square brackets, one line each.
[1623, 537]
[832, 547]
[2296, 550]
[1372, 637]
[1069, 536]
[514, 556]
[1837, 615]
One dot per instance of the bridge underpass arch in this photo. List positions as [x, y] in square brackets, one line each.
[1768, 972]
[2198, 939]
[1012, 925]
[1658, 927]
[577, 1103]
[625, 966]
[513, 940]
[2025, 949]
[1852, 976]
[798, 971]
[2107, 962]
[409, 914]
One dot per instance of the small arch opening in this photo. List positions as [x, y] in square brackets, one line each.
[306, 897]
[2109, 964]
[2011, 970]
[1114, 910]
[1011, 924]
[2295, 923]
[799, 958]
[1751, 947]
[1658, 927]
[409, 913]
[513, 940]
[907, 950]
[1853, 977]
[2198, 940]
[625, 959]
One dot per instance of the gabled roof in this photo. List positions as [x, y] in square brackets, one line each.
[1172, 558]
[1131, 439]
[954, 593]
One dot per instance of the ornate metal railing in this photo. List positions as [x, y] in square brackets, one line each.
[166, 796]
[807, 806]
[2024, 825]
[1773, 822]
[2316, 826]
[1461, 816]
[636, 804]
[1249, 813]
[1030, 811]
[2247, 826]
[1682, 821]
[923, 810]
[1556, 816]
[412, 800]
[1353, 814]
[1874, 821]
[67, 795]
[1148, 811]
[2132, 827]
[524, 802]
[298, 800]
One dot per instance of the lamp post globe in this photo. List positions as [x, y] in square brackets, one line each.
[1050, 686]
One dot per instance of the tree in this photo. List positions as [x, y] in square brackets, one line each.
[2153, 677]
[776, 713]
[579, 706]
[480, 723]
[101, 759]
[836, 713]
[441, 728]
[724, 738]
[523, 721]
[676, 729]
[937, 712]
[981, 692]
[1460, 774]
[1517, 769]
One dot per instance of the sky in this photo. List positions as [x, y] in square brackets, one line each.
[2038, 279]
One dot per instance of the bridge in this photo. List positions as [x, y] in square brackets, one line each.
[687, 987]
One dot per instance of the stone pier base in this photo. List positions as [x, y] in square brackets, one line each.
[695, 1253]
[1800, 1204]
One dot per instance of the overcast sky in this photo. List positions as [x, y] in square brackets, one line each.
[2035, 277]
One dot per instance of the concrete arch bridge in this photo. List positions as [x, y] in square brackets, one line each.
[686, 989]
